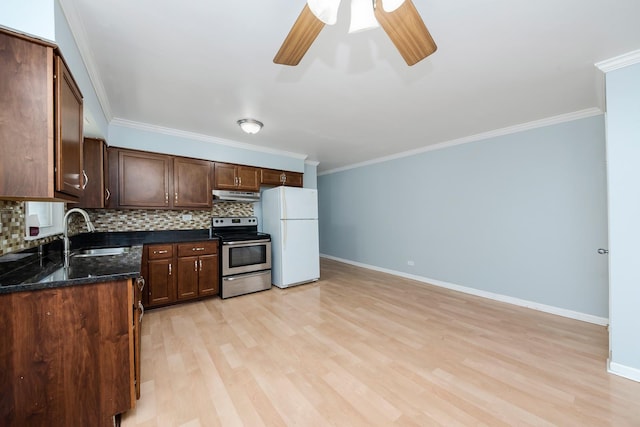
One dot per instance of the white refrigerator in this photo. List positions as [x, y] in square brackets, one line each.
[290, 216]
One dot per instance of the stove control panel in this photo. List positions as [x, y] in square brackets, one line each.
[225, 221]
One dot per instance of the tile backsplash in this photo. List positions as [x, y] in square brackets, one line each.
[12, 215]
[13, 228]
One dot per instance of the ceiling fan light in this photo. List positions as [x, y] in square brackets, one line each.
[250, 126]
[391, 5]
[362, 16]
[325, 10]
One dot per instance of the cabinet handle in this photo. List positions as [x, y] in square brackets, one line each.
[175, 198]
[160, 252]
[197, 249]
[166, 198]
[169, 269]
[200, 262]
[196, 264]
[141, 308]
[140, 282]
[108, 194]
[235, 180]
[283, 177]
[86, 179]
[239, 180]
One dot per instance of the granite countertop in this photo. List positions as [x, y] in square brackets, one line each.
[43, 267]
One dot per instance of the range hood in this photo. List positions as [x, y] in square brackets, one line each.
[235, 196]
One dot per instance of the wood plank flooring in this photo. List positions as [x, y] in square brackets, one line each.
[362, 348]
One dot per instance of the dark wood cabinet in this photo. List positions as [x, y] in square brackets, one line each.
[158, 181]
[197, 269]
[191, 183]
[96, 166]
[180, 271]
[67, 355]
[276, 177]
[159, 274]
[236, 177]
[41, 112]
[143, 179]
[68, 135]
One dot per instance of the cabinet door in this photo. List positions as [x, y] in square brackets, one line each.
[68, 133]
[160, 281]
[248, 179]
[293, 179]
[225, 176]
[271, 177]
[93, 151]
[26, 115]
[191, 183]
[143, 179]
[188, 277]
[208, 278]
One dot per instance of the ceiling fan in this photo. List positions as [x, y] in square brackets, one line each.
[399, 19]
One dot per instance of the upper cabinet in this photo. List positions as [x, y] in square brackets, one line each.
[96, 165]
[40, 122]
[191, 183]
[276, 177]
[236, 177]
[149, 180]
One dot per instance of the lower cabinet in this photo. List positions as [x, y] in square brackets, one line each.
[181, 271]
[67, 355]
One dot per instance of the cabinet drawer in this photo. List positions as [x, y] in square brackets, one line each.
[160, 251]
[197, 248]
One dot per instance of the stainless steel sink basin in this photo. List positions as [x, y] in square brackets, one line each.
[83, 253]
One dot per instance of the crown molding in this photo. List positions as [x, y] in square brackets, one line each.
[568, 117]
[311, 163]
[200, 137]
[618, 62]
[79, 34]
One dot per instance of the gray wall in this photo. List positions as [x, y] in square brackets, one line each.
[623, 157]
[520, 215]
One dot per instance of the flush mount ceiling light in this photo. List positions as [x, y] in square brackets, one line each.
[398, 18]
[250, 126]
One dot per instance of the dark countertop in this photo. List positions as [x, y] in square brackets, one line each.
[42, 267]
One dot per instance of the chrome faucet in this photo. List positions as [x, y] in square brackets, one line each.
[65, 237]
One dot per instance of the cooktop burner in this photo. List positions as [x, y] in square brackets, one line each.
[237, 229]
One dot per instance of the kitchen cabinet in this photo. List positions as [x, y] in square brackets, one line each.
[180, 271]
[143, 179]
[41, 109]
[158, 181]
[236, 177]
[197, 269]
[96, 171]
[67, 355]
[159, 277]
[276, 177]
[192, 183]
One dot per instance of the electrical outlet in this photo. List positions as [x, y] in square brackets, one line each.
[411, 263]
[187, 217]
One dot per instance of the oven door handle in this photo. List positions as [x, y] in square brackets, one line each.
[242, 276]
[245, 242]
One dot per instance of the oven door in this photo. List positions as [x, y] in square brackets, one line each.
[245, 257]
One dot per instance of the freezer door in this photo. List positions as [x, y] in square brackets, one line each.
[299, 203]
[299, 257]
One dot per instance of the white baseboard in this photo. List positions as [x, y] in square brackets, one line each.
[484, 294]
[623, 371]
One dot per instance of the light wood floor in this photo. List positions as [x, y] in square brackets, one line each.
[361, 348]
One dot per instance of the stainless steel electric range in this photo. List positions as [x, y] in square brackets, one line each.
[246, 255]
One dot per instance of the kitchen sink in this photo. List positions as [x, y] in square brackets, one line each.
[83, 253]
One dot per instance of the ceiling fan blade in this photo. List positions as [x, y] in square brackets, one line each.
[302, 34]
[407, 31]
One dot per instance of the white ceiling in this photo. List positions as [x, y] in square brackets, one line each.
[200, 65]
